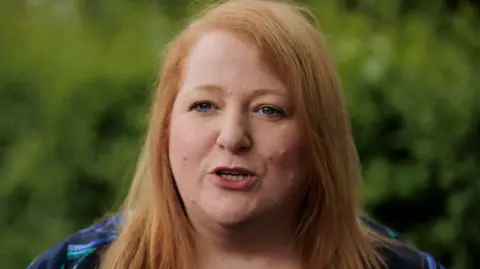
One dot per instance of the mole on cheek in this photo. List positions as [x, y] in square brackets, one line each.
[277, 155]
[282, 152]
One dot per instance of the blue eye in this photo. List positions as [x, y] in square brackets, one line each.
[202, 106]
[271, 111]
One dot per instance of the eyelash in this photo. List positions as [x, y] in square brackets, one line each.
[274, 112]
[196, 106]
[277, 112]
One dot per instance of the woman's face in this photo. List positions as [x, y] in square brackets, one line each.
[235, 146]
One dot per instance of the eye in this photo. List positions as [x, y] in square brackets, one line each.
[271, 111]
[202, 106]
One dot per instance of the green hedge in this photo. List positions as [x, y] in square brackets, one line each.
[75, 82]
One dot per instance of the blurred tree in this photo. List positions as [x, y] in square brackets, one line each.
[406, 6]
[75, 82]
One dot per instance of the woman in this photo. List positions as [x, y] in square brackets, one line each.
[249, 160]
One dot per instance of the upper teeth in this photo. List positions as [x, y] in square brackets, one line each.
[233, 175]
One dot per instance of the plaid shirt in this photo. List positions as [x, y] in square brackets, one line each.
[82, 250]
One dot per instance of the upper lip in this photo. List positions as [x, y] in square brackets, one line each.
[233, 169]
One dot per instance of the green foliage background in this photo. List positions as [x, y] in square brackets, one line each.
[75, 83]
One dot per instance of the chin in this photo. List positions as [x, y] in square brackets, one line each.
[228, 214]
[232, 222]
[229, 218]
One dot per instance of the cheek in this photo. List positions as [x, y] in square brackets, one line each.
[289, 161]
[189, 144]
[183, 148]
[286, 149]
[179, 146]
[287, 175]
[182, 157]
[286, 156]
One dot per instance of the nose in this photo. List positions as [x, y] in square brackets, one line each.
[234, 133]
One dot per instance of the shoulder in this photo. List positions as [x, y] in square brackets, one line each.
[401, 255]
[81, 249]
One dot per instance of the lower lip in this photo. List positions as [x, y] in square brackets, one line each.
[243, 184]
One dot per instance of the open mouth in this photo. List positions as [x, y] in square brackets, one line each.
[234, 174]
[236, 178]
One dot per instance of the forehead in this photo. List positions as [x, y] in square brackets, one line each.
[221, 57]
[221, 43]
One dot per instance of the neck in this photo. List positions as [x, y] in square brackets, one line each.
[251, 244]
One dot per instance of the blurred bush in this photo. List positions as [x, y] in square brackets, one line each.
[75, 82]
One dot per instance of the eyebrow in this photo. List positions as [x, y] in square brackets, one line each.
[210, 88]
[257, 92]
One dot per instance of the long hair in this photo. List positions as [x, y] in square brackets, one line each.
[156, 233]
